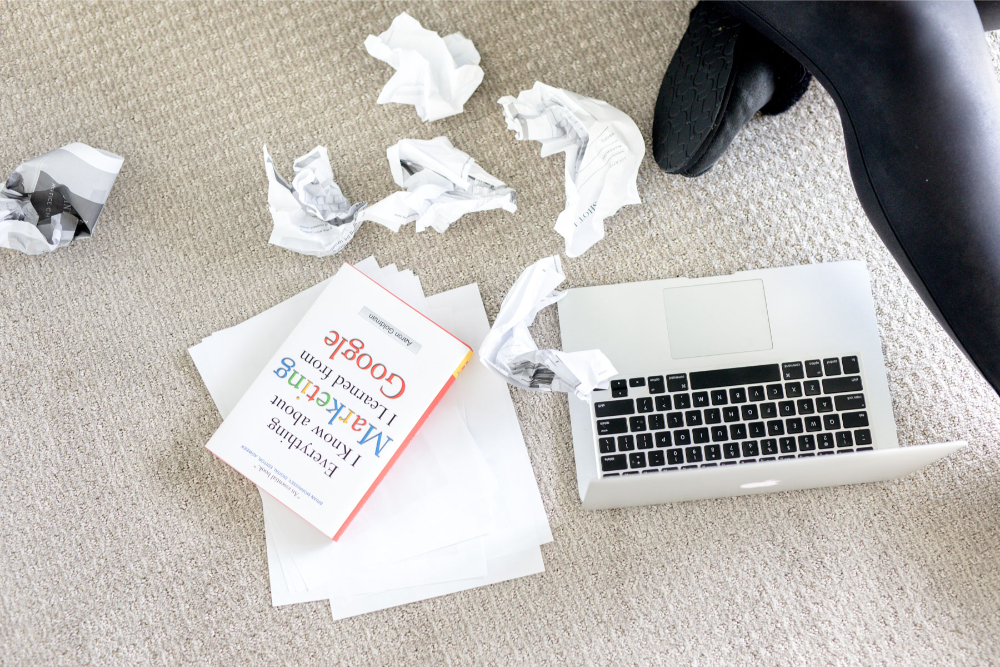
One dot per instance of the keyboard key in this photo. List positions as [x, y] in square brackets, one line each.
[713, 452]
[614, 408]
[692, 417]
[731, 414]
[811, 387]
[663, 404]
[768, 410]
[738, 395]
[682, 438]
[805, 406]
[612, 426]
[786, 408]
[807, 443]
[864, 449]
[700, 399]
[644, 404]
[708, 465]
[688, 467]
[845, 451]
[831, 422]
[663, 439]
[825, 440]
[750, 461]
[750, 448]
[616, 462]
[738, 431]
[774, 392]
[749, 413]
[863, 437]
[769, 447]
[713, 416]
[675, 457]
[775, 427]
[824, 404]
[700, 435]
[851, 365]
[792, 370]
[842, 385]
[757, 429]
[850, 402]
[607, 445]
[619, 393]
[656, 385]
[637, 460]
[756, 393]
[637, 423]
[732, 377]
[813, 424]
[644, 441]
[677, 382]
[731, 450]
[692, 454]
[814, 368]
[719, 433]
[855, 419]
[682, 401]
[793, 389]
[824, 453]
[844, 439]
[626, 443]
[719, 397]
[656, 458]
[802, 456]
[656, 422]
[675, 419]
[788, 445]
[831, 366]
[637, 382]
[785, 456]
[793, 425]
[619, 384]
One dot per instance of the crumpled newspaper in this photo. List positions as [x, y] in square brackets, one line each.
[442, 184]
[52, 200]
[311, 216]
[510, 351]
[603, 147]
[436, 75]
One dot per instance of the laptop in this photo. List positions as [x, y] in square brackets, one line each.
[761, 381]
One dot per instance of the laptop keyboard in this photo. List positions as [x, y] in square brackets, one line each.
[732, 416]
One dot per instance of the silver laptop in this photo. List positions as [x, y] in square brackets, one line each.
[756, 382]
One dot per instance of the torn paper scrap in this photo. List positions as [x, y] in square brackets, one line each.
[52, 200]
[442, 184]
[311, 216]
[435, 75]
[510, 351]
[603, 150]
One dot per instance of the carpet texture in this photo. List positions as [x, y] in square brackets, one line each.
[124, 542]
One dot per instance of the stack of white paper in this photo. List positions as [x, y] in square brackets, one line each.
[460, 509]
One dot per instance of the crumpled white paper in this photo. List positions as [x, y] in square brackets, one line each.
[603, 147]
[442, 184]
[510, 351]
[50, 201]
[436, 75]
[311, 216]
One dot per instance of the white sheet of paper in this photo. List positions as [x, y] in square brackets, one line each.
[510, 351]
[603, 147]
[436, 75]
[441, 185]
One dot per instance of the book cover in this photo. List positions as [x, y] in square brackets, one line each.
[340, 399]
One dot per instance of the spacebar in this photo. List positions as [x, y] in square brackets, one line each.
[730, 377]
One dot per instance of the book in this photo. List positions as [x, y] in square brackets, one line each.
[339, 401]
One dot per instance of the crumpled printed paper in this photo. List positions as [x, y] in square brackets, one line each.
[50, 201]
[436, 75]
[603, 147]
[311, 216]
[442, 184]
[510, 351]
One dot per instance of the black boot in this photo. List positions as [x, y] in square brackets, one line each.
[722, 73]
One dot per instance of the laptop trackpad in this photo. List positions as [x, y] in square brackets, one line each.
[721, 318]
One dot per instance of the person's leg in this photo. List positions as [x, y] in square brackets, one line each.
[920, 105]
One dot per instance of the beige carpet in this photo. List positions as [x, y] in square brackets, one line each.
[124, 542]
